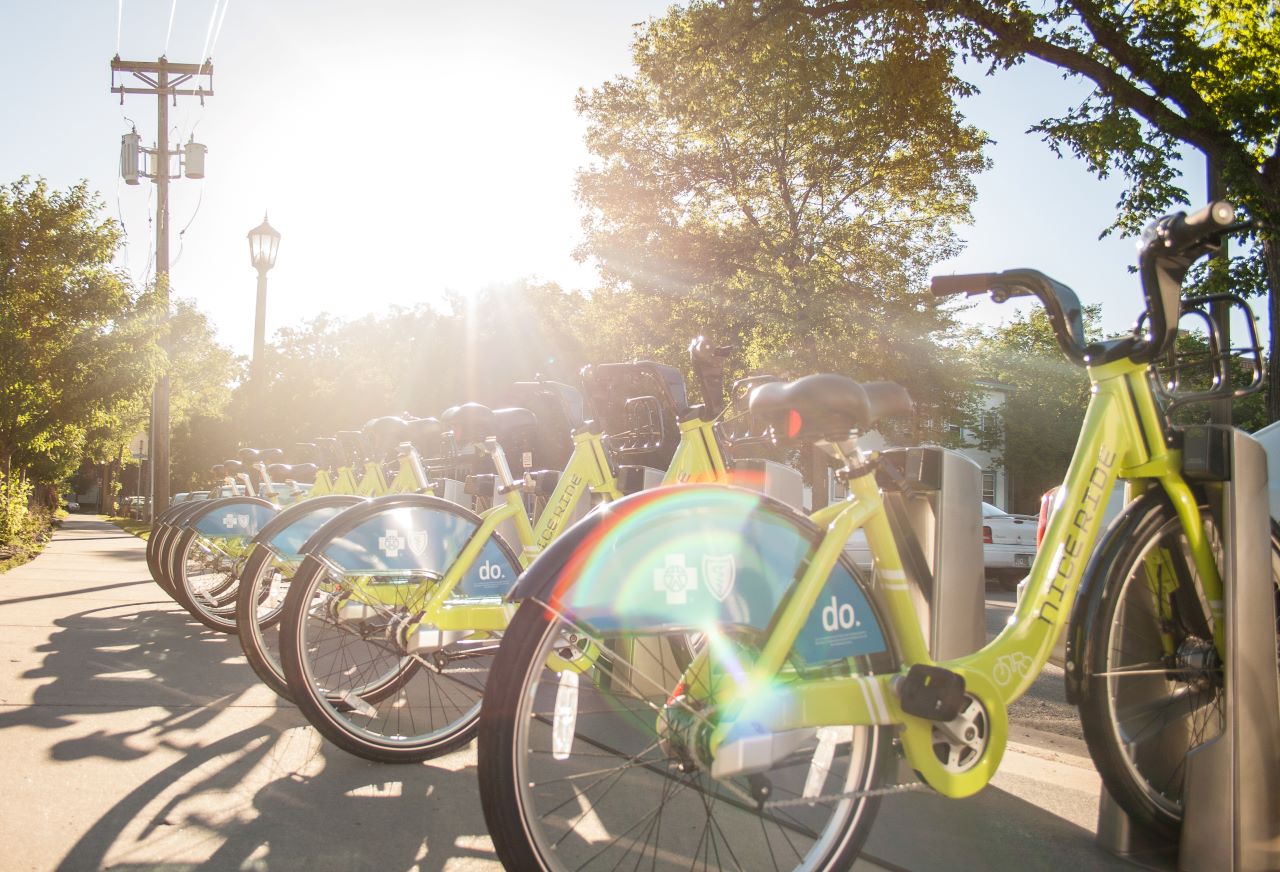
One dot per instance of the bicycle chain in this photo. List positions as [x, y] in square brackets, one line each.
[887, 790]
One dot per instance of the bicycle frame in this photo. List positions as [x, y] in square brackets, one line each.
[697, 457]
[1122, 436]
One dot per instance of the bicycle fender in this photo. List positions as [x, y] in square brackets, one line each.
[286, 533]
[413, 535]
[232, 517]
[702, 556]
[1088, 604]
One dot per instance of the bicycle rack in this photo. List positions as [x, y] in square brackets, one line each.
[1231, 816]
[944, 510]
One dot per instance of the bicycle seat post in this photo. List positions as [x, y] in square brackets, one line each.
[499, 458]
[410, 453]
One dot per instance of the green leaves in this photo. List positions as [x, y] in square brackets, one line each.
[77, 350]
[781, 180]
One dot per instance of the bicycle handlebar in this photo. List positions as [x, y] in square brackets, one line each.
[1182, 230]
[1060, 302]
[1168, 248]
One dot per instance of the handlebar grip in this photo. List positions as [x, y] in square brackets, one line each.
[969, 283]
[1185, 229]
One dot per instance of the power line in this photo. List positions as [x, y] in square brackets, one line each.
[173, 11]
[213, 15]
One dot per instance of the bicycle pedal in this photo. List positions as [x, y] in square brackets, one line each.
[931, 692]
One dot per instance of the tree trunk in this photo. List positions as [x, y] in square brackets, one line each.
[1271, 257]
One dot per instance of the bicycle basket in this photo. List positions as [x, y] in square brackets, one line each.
[1202, 364]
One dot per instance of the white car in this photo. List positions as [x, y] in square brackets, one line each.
[1008, 544]
[1269, 436]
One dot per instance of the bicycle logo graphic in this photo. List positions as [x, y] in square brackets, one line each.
[1010, 665]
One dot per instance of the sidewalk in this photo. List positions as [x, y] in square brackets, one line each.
[133, 738]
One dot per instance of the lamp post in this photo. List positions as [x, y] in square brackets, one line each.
[264, 241]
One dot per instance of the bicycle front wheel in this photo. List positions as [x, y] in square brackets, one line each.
[1153, 686]
[586, 762]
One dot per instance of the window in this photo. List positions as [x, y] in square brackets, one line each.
[989, 421]
[989, 486]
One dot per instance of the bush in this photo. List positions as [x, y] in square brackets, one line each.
[15, 511]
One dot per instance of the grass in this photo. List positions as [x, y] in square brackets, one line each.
[141, 529]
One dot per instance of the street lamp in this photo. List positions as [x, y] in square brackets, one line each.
[264, 241]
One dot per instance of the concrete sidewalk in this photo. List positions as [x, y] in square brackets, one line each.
[133, 738]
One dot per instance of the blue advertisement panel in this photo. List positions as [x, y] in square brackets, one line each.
[289, 541]
[422, 539]
[697, 558]
[235, 520]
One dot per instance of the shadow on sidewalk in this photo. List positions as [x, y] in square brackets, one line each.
[119, 658]
[228, 805]
[271, 795]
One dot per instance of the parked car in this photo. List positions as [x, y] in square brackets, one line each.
[70, 503]
[1008, 545]
[1269, 436]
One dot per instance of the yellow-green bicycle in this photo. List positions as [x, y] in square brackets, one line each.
[395, 613]
[608, 741]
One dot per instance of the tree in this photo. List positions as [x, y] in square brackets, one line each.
[1041, 418]
[77, 344]
[201, 374]
[1166, 74]
[783, 181]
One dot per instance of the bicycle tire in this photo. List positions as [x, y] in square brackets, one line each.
[158, 544]
[359, 688]
[205, 589]
[1140, 727]
[260, 594]
[511, 782]
[255, 626]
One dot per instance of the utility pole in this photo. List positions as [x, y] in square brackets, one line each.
[164, 81]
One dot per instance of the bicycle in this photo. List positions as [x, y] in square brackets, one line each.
[398, 606]
[208, 558]
[275, 554]
[771, 741]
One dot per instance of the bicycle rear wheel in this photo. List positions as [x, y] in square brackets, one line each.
[585, 763]
[1153, 679]
[205, 579]
[353, 676]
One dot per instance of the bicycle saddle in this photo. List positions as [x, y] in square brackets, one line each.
[232, 467]
[303, 472]
[827, 406]
[425, 434]
[217, 470]
[280, 471]
[472, 422]
[271, 455]
[352, 445]
[384, 434]
[249, 455]
[330, 453]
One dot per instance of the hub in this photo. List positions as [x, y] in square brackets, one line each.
[1198, 664]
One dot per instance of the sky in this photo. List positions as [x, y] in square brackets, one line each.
[409, 148]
